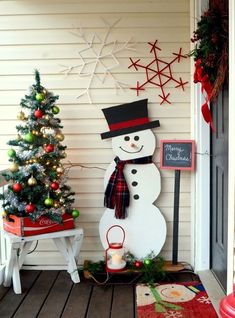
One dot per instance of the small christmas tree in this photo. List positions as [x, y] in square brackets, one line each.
[36, 175]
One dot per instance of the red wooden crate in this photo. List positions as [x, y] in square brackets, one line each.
[23, 226]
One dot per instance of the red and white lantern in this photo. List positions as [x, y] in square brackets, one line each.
[114, 254]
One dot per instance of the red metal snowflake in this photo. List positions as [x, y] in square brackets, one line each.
[158, 72]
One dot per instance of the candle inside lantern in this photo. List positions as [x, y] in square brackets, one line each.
[116, 259]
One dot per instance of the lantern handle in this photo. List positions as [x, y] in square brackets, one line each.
[107, 235]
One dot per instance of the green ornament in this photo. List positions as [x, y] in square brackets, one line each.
[29, 137]
[11, 153]
[49, 202]
[39, 97]
[55, 110]
[147, 261]
[75, 213]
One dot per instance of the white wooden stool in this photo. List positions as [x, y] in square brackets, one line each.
[68, 243]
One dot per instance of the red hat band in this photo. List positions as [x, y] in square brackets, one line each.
[128, 123]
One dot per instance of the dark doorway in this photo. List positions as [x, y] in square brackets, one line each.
[219, 188]
[219, 172]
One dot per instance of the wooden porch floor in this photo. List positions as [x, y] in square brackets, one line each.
[51, 294]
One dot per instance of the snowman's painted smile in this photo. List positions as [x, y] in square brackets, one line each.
[170, 294]
[132, 151]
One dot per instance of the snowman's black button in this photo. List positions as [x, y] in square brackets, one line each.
[134, 183]
[136, 197]
[133, 171]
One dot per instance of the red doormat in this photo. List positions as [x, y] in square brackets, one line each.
[174, 300]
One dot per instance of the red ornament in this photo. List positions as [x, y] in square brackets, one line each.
[17, 187]
[30, 208]
[49, 148]
[38, 113]
[138, 264]
[54, 185]
[158, 72]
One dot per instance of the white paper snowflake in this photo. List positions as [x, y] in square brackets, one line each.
[173, 314]
[103, 60]
[204, 300]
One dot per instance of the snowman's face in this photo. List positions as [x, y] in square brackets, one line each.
[175, 293]
[144, 296]
[134, 145]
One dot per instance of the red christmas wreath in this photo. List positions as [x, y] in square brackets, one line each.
[211, 54]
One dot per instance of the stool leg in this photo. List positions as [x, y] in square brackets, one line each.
[24, 251]
[9, 268]
[72, 266]
[16, 275]
[61, 245]
[77, 243]
[13, 269]
[66, 249]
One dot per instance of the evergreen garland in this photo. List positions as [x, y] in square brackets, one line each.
[151, 269]
[211, 45]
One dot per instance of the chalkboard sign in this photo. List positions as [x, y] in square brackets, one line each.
[177, 154]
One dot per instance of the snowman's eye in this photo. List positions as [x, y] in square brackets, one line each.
[126, 138]
[136, 138]
[146, 294]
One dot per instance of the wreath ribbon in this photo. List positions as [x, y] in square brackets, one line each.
[200, 77]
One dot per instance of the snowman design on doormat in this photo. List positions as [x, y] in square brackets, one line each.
[174, 300]
[132, 181]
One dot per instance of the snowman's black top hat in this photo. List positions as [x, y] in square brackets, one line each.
[127, 118]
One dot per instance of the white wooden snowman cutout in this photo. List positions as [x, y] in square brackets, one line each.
[130, 201]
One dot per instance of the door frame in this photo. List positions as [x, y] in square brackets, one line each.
[231, 148]
[201, 179]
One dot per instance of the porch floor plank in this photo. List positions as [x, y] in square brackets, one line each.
[57, 297]
[52, 294]
[3, 291]
[100, 304]
[78, 300]
[123, 302]
[33, 302]
[11, 302]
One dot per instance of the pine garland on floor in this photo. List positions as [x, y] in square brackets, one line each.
[150, 269]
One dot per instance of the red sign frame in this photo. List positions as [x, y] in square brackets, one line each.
[177, 142]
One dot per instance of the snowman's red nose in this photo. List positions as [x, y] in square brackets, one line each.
[133, 145]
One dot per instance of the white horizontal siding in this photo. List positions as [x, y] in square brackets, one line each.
[23, 60]
[40, 34]
[87, 141]
[84, 111]
[95, 126]
[71, 82]
[92, 7]
[129, 20]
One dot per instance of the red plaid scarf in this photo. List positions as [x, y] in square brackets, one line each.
[117, 194]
